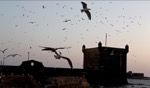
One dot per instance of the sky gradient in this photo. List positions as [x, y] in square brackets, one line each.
[26, 25]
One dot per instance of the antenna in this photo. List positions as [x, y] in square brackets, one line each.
[106, 40]
[28, 55]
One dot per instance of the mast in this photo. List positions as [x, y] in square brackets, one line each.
[28, 55]
[106, 40]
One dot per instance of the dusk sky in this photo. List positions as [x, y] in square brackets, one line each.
[26, 25]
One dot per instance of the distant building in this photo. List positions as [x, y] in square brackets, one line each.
[109, 62]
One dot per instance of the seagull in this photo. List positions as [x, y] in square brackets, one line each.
[64, 29]
[3, 51]
[58, 56]
[32, 22]
[43, 7]
[13, 55]
[66, 20]
[53, 49]
[86, 10]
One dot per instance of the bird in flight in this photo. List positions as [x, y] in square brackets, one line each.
[58, 55]
[3, 51]
[32, 22]
[43, 7]
[12, 55]
[66, 20]
[86, 10]
[53, 49]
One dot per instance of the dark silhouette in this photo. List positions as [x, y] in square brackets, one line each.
[86, 10]
[32, 22]
[58, 55]
[53, 49]
[3, 51]
[69, 61]
[66, 20]
[43, 7]
[12, 55]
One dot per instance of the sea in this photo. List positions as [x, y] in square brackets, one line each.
[132, 83]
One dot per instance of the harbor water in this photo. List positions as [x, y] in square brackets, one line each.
[132, 83]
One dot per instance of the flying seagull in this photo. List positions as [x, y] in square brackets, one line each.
[3, 51]
[86, 10]
[12, 55]
[43, 7]
[53, 49]
[66, 20]
[32, 22]
[58, 55]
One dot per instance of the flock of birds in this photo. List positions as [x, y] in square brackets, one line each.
[58, 55]
[54, 50]
[10, 55]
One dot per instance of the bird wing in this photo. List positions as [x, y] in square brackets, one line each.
[5, 49]
[69, 61]
[48, 48]
[13, 55]
[88, 14]
[44, 47]
[84, 5]
[57, 53]
[9, 55]
[68, 47]
[63, 48]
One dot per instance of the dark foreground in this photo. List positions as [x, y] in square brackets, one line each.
[16, 81]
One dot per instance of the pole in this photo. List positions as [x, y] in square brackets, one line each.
[28, 55]
[106, 40]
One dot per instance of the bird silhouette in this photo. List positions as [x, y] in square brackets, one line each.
[32, 22]
[86, 10]
[12, 55]
[53, 49]
[43, 7]
[58, 55]
[66, 20]
[3, 51]
[64, 29]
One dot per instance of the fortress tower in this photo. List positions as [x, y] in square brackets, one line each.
[109, 62]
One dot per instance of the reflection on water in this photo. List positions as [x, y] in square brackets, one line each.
[133, 83]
